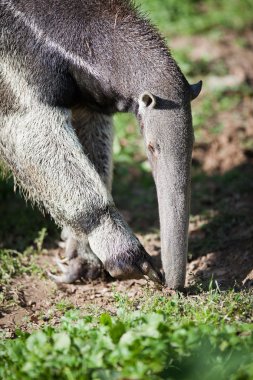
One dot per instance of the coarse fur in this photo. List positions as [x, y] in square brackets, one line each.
[100, 38]
[95, 132]
[66, 68]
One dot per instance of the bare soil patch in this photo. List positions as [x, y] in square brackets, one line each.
[34, 301]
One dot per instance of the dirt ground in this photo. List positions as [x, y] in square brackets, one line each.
[222, 253]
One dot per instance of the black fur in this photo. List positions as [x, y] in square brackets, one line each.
[111, 36]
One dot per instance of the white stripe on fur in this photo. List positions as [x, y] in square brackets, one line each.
[53, 45]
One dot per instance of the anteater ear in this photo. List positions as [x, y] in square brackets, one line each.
[195, 89]
[147, 100]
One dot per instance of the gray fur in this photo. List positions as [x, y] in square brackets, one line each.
[95, 133]
[66, 67]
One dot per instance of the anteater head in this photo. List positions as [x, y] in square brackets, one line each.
[166, 125]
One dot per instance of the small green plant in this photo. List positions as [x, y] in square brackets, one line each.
[14, 263]
[11, 264]
[151, 345]
[64, 305]
[40, 239]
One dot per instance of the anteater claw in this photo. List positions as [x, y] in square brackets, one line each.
[155, 276]
[62, 244]
[122, 269]
[61, 265]
[70, 273]
[150, 273]
[65, 278]
[63, 261]
[75, 269]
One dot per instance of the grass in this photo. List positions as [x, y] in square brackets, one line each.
[198, 16]
[14, 263]
[177, 338]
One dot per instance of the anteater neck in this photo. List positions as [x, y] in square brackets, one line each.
[101, 52]
[128, 57]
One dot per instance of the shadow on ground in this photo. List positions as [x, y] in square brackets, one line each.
[20, 222]
[221, 228]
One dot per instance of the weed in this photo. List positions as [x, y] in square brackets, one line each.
[177, 338]
[64, 305]
[14, 263]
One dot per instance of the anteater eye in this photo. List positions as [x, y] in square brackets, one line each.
[151, 148]
[154, 149]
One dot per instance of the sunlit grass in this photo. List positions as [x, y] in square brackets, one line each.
[201, 338]
[195, 16]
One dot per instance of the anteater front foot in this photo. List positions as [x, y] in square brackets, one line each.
[75, 269]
